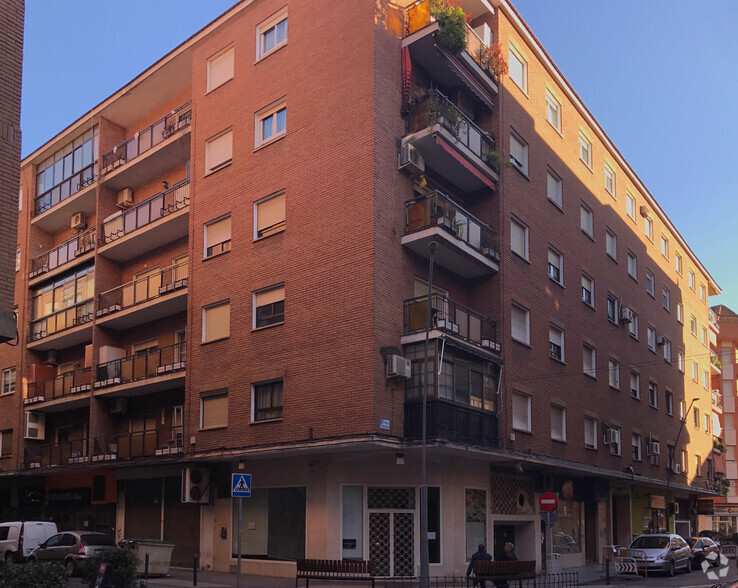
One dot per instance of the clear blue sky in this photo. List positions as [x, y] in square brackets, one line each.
[659, 75]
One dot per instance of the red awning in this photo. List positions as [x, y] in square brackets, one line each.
[407, 75]
[462, 160]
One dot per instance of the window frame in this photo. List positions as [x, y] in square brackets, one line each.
[513, 52]
[650, 283]
[635, 377]
[521, 166]
[526, 312]
[561, 411]
[553, 268]
[526, 236]
[636, 443]
[612, 302]
[610, 174]
[665, 247]
[222, 164]
[633, 265]
[665, 298]
[6, 448]
[528, 399]
[585, 147]
[591, 352]
[588, 289]
[611, 244]
[275, 314]
[678, 263]
[669, 402]
[204, 398]
[653, 394]
[264, 27]
[272, 229]
[651, 338]
[255, 386]
[595, 427]
[630, 206]
[559, 200]
[556, 351]
[553, 106]
[209, 87]
[225, 246]
[586, 213]
[613, 368]
[7, 382]
[648, 228]
[205, 309]
[272, 110]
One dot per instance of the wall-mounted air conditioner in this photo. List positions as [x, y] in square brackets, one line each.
[410, 159]
[676, 468]
[644, 211]
[660, 340]
[626, 315]
[125, 198]
[195, 485]
[612, 436]
[79, 221]
[653, 448]
[398, 367]
[35, 426]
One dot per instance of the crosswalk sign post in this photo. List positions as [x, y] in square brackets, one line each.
[240, 488]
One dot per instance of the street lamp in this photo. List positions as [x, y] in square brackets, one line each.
[676, 441]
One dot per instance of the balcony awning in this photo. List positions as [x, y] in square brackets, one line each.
[463, 161]
[458, 68]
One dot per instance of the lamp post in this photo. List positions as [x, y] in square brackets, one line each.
[424, 557]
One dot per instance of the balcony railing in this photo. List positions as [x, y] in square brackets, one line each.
[452, 317]
[61, 386]
[435, 108]
[437, 209]
[144, 289]
[161, 441]
[64, 253]
[56, 454]
[717, 399]
[157, 361]
[151, 136]
[148, 211]
[67, 188]
[68, 318]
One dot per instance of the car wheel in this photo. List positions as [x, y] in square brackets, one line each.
[672, 568]
[71, 568]
[9, 557]
[689, 566]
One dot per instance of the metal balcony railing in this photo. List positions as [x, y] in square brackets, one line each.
[56, 454]
[437, 209]
[147, 443]
[148, 211]
[64, 253]
[68, 318]
[143, 289]
[435, 108]
[61, 386]
[452, 317]
[153, 362]
[70, 186]
[149, 137]
[717, 399]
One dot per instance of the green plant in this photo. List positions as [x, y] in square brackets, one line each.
[123, 565]
[718, 446]
[496, 160]
[43, 575]
[451, 24]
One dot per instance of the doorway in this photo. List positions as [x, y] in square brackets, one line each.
[391, 543]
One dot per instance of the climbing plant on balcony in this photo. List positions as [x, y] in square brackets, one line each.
[451, 24]
[494, 58]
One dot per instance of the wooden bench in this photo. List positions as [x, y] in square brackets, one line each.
[334, 569]
[501, 572]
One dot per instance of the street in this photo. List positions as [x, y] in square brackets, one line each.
[695, 579]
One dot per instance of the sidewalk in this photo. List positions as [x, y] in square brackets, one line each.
[179, 578]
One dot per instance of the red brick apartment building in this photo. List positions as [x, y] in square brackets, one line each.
[225, 265]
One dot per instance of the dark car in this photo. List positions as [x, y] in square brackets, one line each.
[702, 547]
[71, 548]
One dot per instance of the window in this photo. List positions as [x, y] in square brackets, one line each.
[6, 444]
[703, 293]
[8, 381]
[220, 69]
[216, 321]
[614, 373]
[17, 259]
[678, 263]
[589, 361]
[590, 432]
[694, 371]
[650, 283]
[519, 238]
[269, 215]
[555, 266]
[611, 244]
[653, 394]
[271, 124]
[518, 69]
[705, 379]
[635, 385]
[704, 336]
[556, 343]
[669, 401]
[684, 462]
[633, 326]
[651, 338]
[664, 247]
[615, 445]
[586, 219]
[588, 291]
[218, 151]
[667, 349]
[632, 266]
[636, 441]
[553, 111]
[521, 409]
[585, 150]
[267, 400]
[693, 325]
[680, 360]
[554, 188]
[630, 206]
[272, 34]
[648, 228]
[269, 307]
[558, 423]
[680, 312]
[612, 310]
[518, 153]
[707, 423]
[214, 410]
[697, 465]
[520, 321]
[655, 455]
[610, 180]
[665, 298]
[682, 409]
[691, 279]
[696, 415]
[218, 236]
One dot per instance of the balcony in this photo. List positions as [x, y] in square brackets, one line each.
[153, 370]
[472, 68]
[447, 420]
[75, 250]
[155, 442]
[714, 322]
[62, 329]
[451, 143]
[146, 299]
[717, 401]
[467, 246]
[157, 148]
[62, 392]
[53, 209]
[715, 364]
[466, 327]
[161, 219]
[56, 454]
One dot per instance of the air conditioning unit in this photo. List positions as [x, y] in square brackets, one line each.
[51, 359]
[644, 211]
[676, 468]
[626, 315]
[119, 406]
[79, 221]
[410, 159]
[125, 198]
[653, 448]
[35, 426]
[398, 367]
[196, 485]
[612, 436]
[660, 340]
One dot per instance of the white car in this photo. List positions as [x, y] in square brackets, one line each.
[661, 552]
[19, 538]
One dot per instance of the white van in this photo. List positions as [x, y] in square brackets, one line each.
[18, 539]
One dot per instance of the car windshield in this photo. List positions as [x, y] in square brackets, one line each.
[651, 542]
[97, 540]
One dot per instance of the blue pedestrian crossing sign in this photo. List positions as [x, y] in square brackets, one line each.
[241, 485]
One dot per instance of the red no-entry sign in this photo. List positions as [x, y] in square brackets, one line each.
[548, 501]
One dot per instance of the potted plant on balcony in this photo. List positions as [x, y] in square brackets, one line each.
[718, 446]
[493, 58]
[451, 24]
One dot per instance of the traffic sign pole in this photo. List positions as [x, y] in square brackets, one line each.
[240, 489]
[240, 527]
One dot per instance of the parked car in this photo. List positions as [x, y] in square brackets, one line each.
[19, 538]
[714, 535]
[71, 549]
[702, 547]
[661, 552]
